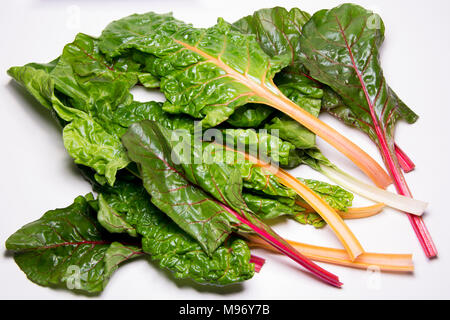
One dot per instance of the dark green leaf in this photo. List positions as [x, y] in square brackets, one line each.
[182, 190]
[250, 115]
[173, 248]
[188, 206]
[291, 131]
[270, 208]
[278, 32]
[69, 247]
[341, 49]
[254, 177]
[311, 157]
[112, 220]
[128, 114]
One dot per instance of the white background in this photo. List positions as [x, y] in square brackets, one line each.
[38, 175]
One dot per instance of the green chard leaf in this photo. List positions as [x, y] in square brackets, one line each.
[253, 176]
[262, 143]
[264, 195]
[112, 220]
[250, 115]
[83, 89]
[309, 218]
[90, 96]
[291, 131]
[68, 247]
[89, 144]
[163, 176]
[311, 157]
[278, 32]
[337, 197]
[340, 47]
[37, 81]
[169, 245]
[204, 72]
[205, 197]
[270, 208]
[136, 111]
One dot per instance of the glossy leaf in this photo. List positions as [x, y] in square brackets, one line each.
[278, 32]
[335, 196]
[311, 157]
[84, 90]
[250, 115]
[136, 111]
[187, 62]
[112, 220]
[276, 29]
[147, 144]
[187, 205]
[68, 247]
[91, 98]
[341, 49]
[170, 246]
[289, 130]
[270, 208]
[37, 81]
[253, 176]
[265, 143]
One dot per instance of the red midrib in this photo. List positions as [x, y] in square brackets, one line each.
[400, 183]
[381, 137]
[291, 253]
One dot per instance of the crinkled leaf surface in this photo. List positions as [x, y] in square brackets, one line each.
[137, 111]
[189, 186]
[311, 157]
[91, 97]
[278, 32]
[290, 130]
[37, 81]
[112, 220]
[268, 208]
[206, 73]
[263, 143]
[335, 196]
[68, 247]
[250, 115]
[83, 89]
[163, 176]
[340, 47]
[264, 195]
[253, 176]
[169, 245]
